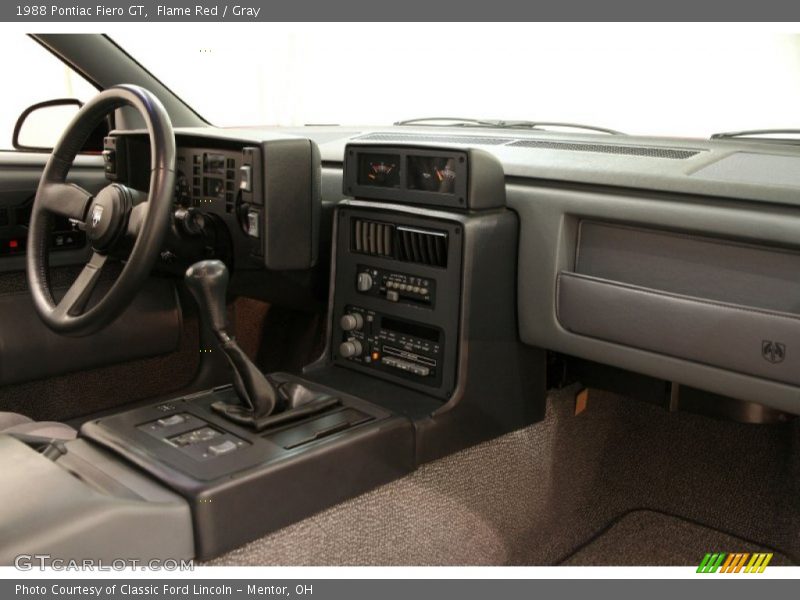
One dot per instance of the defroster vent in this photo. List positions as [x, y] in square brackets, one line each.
[399, 242]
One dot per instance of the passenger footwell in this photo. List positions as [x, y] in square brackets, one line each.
[645, 537]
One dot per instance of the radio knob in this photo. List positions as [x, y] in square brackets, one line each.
[350, 348]
[364, 282]
[351, 322]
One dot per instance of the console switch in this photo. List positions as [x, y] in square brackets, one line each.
[223, 448]
[197, 436]
[252, 223]
[172, 421]
[246, 181]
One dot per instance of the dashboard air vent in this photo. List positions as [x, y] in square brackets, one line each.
[373, 237]
[647, 151]
[422, 246]
[398, 242]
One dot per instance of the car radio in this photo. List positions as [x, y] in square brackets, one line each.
[385, 343]
[395, 312]
[395, 286]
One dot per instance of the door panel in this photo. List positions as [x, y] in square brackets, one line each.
[19, 178]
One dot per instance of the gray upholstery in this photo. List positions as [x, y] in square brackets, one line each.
[88, 504]
[20, 424]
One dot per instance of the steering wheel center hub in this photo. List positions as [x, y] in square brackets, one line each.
[106, 217]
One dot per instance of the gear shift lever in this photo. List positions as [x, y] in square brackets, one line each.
[207, 280]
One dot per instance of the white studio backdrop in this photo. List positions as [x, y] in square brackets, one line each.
[676, 80]
[663, 80]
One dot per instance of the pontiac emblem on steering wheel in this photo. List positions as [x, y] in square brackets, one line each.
[97, 214]
[773, 352]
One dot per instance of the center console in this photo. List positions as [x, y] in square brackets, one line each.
[242, 484]
[421, 357]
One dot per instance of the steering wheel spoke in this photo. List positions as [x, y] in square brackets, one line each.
[66, 199]
[77, 297]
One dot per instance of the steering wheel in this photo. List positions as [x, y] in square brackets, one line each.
[113, 218]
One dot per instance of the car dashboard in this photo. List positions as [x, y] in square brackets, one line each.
[620, 238]
[253, 204]
[459, 269]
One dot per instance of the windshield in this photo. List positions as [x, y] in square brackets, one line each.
[653, 80]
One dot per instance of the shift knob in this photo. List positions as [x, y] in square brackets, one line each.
[207, 280]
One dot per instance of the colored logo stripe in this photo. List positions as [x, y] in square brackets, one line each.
[758, 563]
[711, 562]
[734, 562]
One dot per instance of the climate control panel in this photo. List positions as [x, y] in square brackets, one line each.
[385, 343]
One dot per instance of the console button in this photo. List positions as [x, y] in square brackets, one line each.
[246, 181]
[196, 436]
[392, 296]
[110, 160]
[252, 223]
[223, 448]
[172, 421]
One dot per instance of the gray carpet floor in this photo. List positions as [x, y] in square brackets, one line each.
[561, 489]
[647, 538]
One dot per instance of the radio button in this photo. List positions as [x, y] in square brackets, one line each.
[351, 322]
[405, 365]
[392, 296]
[364, 282]
[350, 349]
